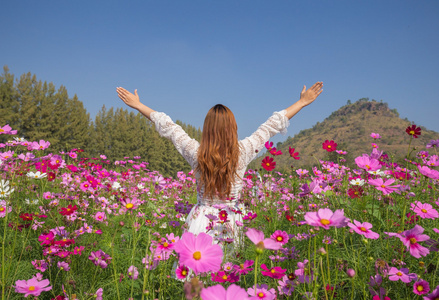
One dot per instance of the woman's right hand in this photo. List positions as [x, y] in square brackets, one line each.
[132, 100]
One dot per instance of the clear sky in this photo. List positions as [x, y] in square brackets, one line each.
[253, 56]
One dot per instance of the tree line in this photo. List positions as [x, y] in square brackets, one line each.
[40, 111]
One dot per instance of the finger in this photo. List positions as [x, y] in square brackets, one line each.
[304, 89]
[135, 92]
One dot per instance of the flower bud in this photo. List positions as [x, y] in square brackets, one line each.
[365, 241]
[351, 273]
[322, 251]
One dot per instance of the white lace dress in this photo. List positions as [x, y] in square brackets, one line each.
[197, 221]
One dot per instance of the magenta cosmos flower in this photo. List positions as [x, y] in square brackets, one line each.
[434, 295]
[257, 237]
[375, 135]
[198, 252]
[32, 286]
[364, 229]
[410, 239]
[425, 211]
[326, 218]
[329, 145]
[421, 287]
[218, 292]
[275, 272]
[280, 236]
[427, 172]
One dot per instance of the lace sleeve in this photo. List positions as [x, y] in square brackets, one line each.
[184, 144]
[278, 122]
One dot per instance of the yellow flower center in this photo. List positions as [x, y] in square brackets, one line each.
[413, 241]
[424, 210]
[279, 238]
[383, 186]
[183, 272]
[224, 277]
[241, 266]
[325, 222]
[399, 274]
[363, 229]
[420, 288]
[31, 288]
[412, 132]
[1, 130]
[2, 209]
[197, 255]
[272, 271]
[260, 294]
[165, 244]
[129, 205]
[267, 164]
[329, 146]
[368, 167]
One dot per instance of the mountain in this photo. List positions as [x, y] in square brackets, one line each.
[350, 127]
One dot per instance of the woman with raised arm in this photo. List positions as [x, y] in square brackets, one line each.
[219, 160]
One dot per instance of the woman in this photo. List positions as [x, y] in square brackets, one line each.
[219, 160]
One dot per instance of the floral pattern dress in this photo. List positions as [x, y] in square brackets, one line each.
[203, 214]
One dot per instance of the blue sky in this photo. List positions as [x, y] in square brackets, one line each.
[253, 56]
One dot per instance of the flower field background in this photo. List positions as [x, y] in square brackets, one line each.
[75, 227]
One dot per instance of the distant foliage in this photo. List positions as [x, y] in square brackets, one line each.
[39, 111]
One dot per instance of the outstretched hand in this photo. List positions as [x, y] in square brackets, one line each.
[307, 96]
[132, 100]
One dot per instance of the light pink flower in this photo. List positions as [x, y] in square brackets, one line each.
[326, 218]
[384, 186]
[258, 238]
[430, 173]
[32, 287]
[218, 292]
[425, 211]
[364, 229]
[366, 163]
[198, 252]
[262, 292]
[402, 274]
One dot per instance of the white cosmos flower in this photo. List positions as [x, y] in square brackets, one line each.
[5, 191]
[377, 172]
[36, 175]
[140, 186]
[116, 185]
[357, 181]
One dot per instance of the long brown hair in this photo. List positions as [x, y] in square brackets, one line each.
[218, 153]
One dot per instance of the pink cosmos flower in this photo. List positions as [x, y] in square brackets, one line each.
[434, 295]
[40, 146]
[366, 163]
[425, 211]
[262, 292]
[133, 273]
[244, 268]
[257, 237]
[46, 239]
[375, 135]
[223, 276]
[427, 172]
[7, 130]
[198, 252]
[32, 287]
[280, 236]
[100, 216]
[384, 187]
[275, 272]
[218, 292]
[421, 287]
[402, 274]
[326, 218]
[364, 229]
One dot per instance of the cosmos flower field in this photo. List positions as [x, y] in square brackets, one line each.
[74, 227]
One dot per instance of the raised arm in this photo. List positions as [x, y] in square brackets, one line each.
[164, 125]
[278, 122]
[307, 96]
[133, 101]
